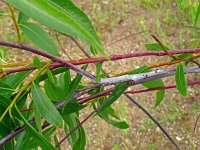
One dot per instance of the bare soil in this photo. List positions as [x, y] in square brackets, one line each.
[114, 20]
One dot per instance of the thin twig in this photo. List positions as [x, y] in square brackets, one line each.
[15, 22]
[63, 50]
[154, 120]
[53, 58]
[79, 46]
[195, 126]
[172, 56]
[128, 36]
[163, 47]
[114, 58]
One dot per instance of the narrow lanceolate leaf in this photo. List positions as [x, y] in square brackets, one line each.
[118, 91]
[45, 107]
[140, 70]
[73, 86]
[65, 81]
[159, 97]
[54, 91]
[181, 83]
[41, 140]
[197, 14]
[5, 89]
[72, 108]
[78, 15]
[37, 119]
[98, 70]
[81, 142]
[22, 18]
[37, 62]
[13, 80]
[39, 37]
[71, 121]
[56, 142]
[61, 16]
[160, 93]
[110, 117]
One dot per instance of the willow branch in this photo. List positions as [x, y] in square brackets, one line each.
[112, 58]
[53, 58]
[144, 77]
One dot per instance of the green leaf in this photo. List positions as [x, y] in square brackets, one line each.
[71, 121]
[14, 80]
[48, 132]
[184, 56]
[56, 141]
[117, 92]
[5, 89]
[65, 81]
[41, 140]
[197, 15]
[121, 125]
[8, 122]
[110, 117]
[54, 72]
[62, 16]
[74, 85]
[50, 76]
[159, 97]
[160, 93]
[140, 70]
[154, 83]
[39, 37]
[2, 12]
[69, 8]
[71, 108]
[28, 142]
[22, 18]
[10, 145]
[22, 140]
[54, 91]
[98, 70]
[37, 62]
[81, 142]
[37, 117]
[154, 47]
[181, 83]
[45, 107]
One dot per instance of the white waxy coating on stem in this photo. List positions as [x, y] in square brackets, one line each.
[144, 77]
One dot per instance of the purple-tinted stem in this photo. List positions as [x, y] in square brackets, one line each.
[53, 58]
[108, 91]
[112, 58]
